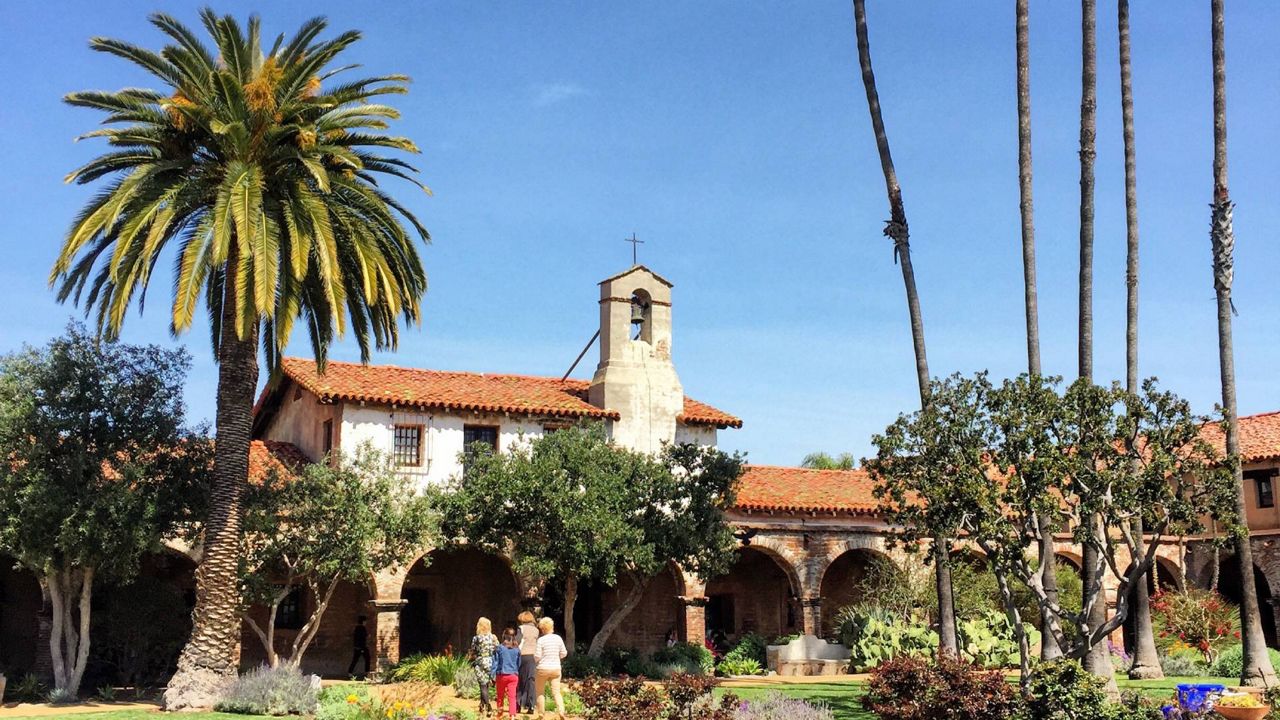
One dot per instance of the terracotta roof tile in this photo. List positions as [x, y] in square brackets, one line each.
[793, 489]
[474, 392]
[268, 455]
[1259, 437]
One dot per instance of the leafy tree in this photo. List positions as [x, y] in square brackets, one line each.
[826, 461]
[573, 505]
[334, 522]
[258, 171]
[98, 470]
[994, 461]
[896, 230]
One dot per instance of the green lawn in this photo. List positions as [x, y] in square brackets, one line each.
[843, 697]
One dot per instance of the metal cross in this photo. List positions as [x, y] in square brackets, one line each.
[634, 244]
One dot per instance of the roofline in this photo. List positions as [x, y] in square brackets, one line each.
[634, 268]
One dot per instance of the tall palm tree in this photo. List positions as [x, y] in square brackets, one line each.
[1146, 661]
[896, 230]
[1257, 668]
[258, 171]
[1098, 661]
[1026, 207]
[826, 461]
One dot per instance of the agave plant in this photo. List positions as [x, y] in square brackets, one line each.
[259, 172]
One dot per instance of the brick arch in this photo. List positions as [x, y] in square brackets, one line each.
[783, 556]
[818, 565]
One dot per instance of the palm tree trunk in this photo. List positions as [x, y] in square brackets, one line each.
[1048, 646]
[897, 230]
[1098, 660]
[212, 654]
[1257, 670]
[1146, 661]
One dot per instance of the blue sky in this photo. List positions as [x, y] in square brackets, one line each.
[733, 138]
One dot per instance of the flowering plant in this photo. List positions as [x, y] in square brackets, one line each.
[1201, 620]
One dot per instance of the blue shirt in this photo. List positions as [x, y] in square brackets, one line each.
[506, 661]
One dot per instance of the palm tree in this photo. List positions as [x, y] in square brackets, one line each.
[258, 171]
[897, 231]
[1048, 577]
[1257, 668]
[1146, 661]
[1098, 661]
[826, 461]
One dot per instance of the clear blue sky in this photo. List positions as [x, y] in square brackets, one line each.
[734, 139]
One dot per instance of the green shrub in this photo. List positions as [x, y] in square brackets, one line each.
[581, 665]
[692, 658]
[466, 685]
[1230, 662]
[876, 636]
[342, 702]
[1063, 690]
[739, 666]
[572, 703]
[616, 658]
[750, 647]
[270, 691]
[641, 666]
[439, 669]
[29, 689]
[1183, 663]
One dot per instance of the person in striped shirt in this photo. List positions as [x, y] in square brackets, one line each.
[548, 654]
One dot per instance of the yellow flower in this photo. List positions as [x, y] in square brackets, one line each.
[352, 699]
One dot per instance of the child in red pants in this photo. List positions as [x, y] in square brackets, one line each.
[506, 666]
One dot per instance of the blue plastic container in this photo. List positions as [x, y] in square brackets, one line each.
[1198, 698]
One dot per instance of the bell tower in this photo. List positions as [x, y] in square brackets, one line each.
[635, 377]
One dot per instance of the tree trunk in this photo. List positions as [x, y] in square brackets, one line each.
[1048, 646]
[211, 656]
[69, 635]
[1098, 660]
[570, 600]
[1257, 670]
[614, 621]
[1146, 660]
[897, 230]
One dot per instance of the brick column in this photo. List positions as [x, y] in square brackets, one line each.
[386, 631]
[695, 619]
[811, 615]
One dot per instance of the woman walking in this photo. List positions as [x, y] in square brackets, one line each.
[528, 636]
[483, 648]
[549, 651]
[506, 668]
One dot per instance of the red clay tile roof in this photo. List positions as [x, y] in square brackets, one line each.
[474, 392]
[1259, 437]
[268, 455]
[793, 489]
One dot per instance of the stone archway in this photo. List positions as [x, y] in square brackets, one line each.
[20, 602]
[758, 595]
[646, 628]
[1230, 587]
[446, 591]
[843, 582]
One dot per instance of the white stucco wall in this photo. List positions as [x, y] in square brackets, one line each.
[704, 435]
[442, 436]
[300, 420]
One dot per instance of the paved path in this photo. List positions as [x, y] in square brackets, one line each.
[13, 710]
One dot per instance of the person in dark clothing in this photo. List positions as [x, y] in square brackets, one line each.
[359, 647]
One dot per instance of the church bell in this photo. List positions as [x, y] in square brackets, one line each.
[637, 311]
